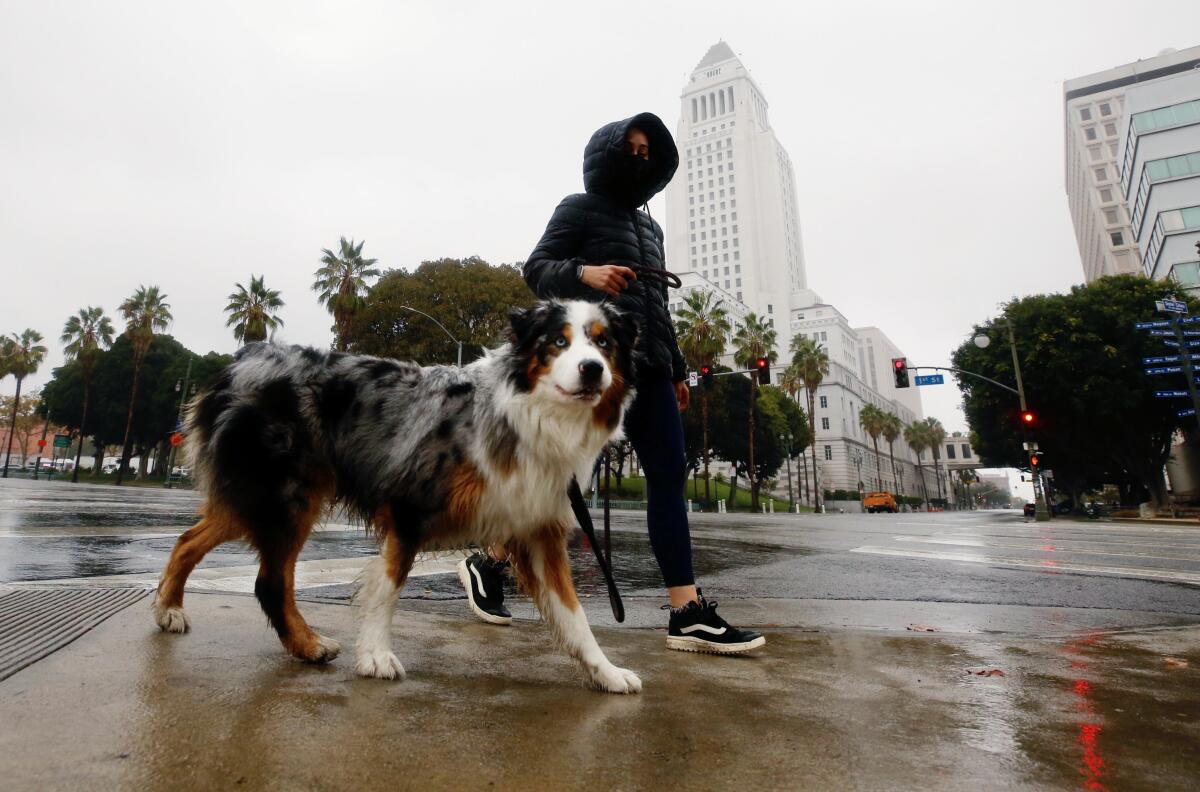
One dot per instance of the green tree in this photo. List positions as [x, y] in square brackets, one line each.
[145, 313]
[252, 311]
[916, 434]
[470, 297]
[753, 340]
[873, 420]
[892, 429]
[936, 435]
[341, 282]
[23, 354]
[702, 328]
[84, 337]
[1098, 420]
[29, 421]
[812, 364]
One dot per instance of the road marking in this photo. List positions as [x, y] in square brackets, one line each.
[240, 579]
[1048, 546]
[1047, 565]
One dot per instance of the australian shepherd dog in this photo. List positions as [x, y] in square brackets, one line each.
[427, 456]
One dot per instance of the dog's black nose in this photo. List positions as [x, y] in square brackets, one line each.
[590, 372]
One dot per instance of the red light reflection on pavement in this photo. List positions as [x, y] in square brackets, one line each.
[1093, 765]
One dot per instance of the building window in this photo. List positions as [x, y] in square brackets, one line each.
[966, 449]
[824, 336]
[1105, 109]
[824, 423]
[1117, 238]
[1110, 130]
[1110, 216]
[829, 452]
[1101, 173]
[824, 399]
[1090, 133]
[1187, 273]
[1094, 151]
[1085, 114]
[1106, 195]
[949, 451]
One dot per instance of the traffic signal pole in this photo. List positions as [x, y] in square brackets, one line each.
[1041, 508]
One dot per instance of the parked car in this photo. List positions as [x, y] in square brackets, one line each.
[1029, 510]
[879, 502]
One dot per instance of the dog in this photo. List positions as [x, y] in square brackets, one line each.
[427, 457]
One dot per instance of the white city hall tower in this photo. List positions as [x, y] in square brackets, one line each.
[731, 208]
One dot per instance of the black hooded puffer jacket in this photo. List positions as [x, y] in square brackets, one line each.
[605, 226]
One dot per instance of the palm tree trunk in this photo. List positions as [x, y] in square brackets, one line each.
[750, 473]
[12, 429]
[892, 458]
[82, 424]
[812, 433]
[924, 489]
[137, 373]
[878, 462]
[704, 423]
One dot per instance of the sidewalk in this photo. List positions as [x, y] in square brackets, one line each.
[128, 707]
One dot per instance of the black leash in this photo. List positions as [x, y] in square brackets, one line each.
[603, 557]
[666, 276]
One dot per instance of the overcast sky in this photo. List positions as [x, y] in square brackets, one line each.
[190, 145]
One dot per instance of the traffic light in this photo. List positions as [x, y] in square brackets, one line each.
[1035, 460]
[706, 376]
[900, 370]
[764, 370]
[1027, 419]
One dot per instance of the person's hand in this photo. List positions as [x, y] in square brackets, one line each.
[682, 395]
[612, 279]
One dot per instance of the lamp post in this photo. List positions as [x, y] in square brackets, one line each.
[444, 330]
[857, 458]
[788, 453]
[983, 340]
[181, 387]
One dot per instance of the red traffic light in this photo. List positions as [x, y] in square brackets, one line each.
[1027, 418]
[704, 371]
[762, 363]
[898, 363]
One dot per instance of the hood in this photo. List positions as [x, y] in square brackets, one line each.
[605, 159]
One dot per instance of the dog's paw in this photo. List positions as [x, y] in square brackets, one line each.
[322, 650]
[379, 664]
[172, 620]
[611, 679]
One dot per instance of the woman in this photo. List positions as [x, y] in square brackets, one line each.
[583, 254]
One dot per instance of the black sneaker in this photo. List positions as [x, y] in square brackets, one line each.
[483, 578]
[696, 627]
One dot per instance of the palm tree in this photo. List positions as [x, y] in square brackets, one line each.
[892, 428]
[83, 336]
[145, 313]
[812, 364]
[872, 420]
[754, 339]
[791, 384]
[252, 311]
[702, 329]
[916, 434]
[22, 355]
[936, 436]
[341, 282]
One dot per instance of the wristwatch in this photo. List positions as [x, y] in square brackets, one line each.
[579, 271]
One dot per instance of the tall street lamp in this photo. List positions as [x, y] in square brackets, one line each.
[444, 330]
[983, 340]
[856, 457]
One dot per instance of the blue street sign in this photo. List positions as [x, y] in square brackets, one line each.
[1173, 343]
[1171, 394]
[1163, 333]
[1150, 361]
[931, 379]
[1186, 413]
[1189, 319]
[1155, 323]
[1165, 370]
[1172, 306]
[1170, 342]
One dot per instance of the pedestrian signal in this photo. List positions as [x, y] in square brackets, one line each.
[1035, 460]
[900, 371]
[764, 370]
[706, 376]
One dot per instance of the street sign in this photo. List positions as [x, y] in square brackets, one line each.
[1155, 323]
[1186, 413]
[930, 379]
[1172, 343]
[1171, 333]
[62, 441]
[1165, 370]
[693, 380]
[1150, 361]
[1171, 394]
[1171, 306]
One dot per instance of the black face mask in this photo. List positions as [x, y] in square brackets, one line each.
[636, 168]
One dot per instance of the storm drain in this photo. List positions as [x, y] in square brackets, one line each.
[36, 622]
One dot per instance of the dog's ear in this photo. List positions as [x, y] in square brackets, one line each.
[525, 324]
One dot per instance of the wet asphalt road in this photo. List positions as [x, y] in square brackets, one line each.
[55, 531]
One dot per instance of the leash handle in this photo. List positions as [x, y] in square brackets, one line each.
[668, 277]
[585, 524]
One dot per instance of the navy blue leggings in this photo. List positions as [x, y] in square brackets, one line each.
[654, 427]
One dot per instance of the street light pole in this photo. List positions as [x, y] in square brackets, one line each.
[181, 389]
[444, 330]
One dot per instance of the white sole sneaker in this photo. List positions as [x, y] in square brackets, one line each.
[464, 577]
[686, 643]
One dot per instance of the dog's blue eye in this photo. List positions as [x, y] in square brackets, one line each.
[602, 342]
[561, 341]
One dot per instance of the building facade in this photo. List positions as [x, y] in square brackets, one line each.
[731, 208]
[1160, 175]
[1096, 119]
